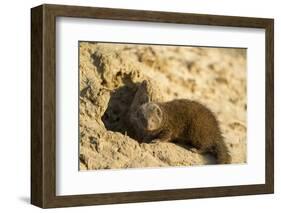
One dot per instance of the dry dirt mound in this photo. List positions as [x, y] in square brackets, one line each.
[111, 76]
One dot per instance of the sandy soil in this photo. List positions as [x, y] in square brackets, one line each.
[110, 78]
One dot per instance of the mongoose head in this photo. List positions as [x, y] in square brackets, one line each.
[149, 116]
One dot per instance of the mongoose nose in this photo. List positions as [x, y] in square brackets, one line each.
[149, 126]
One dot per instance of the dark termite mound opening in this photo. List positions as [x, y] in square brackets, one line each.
[116, 117]
[124, 101]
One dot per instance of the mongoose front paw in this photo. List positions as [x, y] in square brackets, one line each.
[157, 141]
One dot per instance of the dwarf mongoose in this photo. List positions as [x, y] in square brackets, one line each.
[182, 121]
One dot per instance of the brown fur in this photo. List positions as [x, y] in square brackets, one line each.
[181, 121]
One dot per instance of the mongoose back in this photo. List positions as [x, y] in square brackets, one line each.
[183, 121]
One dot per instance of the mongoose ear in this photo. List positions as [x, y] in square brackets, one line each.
[158, 111]
[144, 82]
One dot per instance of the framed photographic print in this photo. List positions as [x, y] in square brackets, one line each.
[136, 106]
